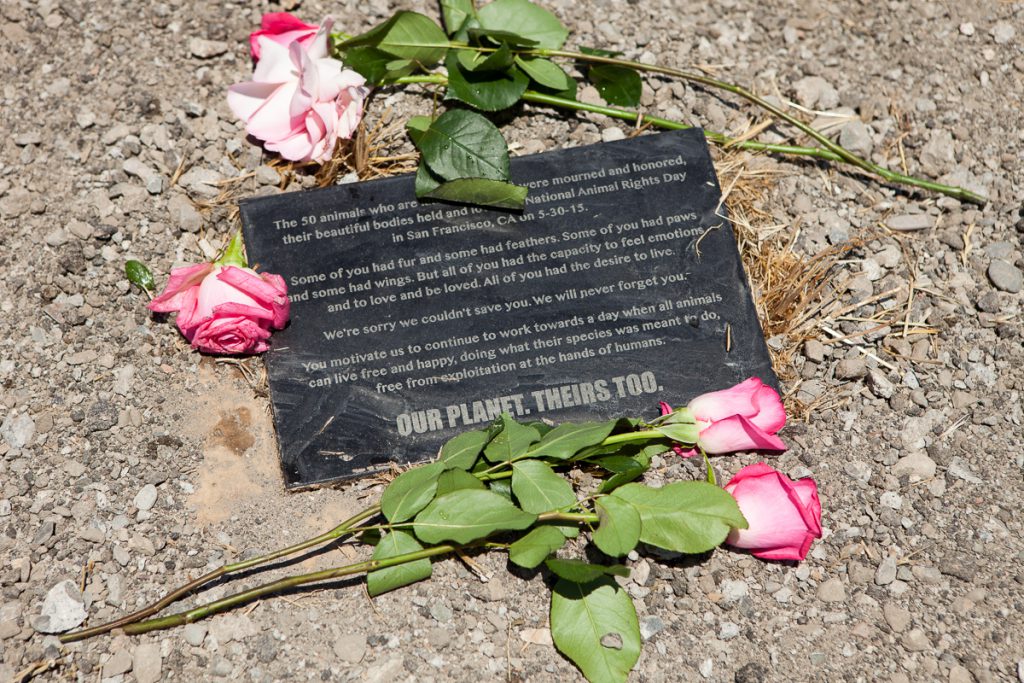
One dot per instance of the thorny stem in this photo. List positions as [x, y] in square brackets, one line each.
[830, 151]
[840, 151]
[177, 594]
[131, 622]
[489, 473]
[634, 116]
[586, 517]
[237, 599]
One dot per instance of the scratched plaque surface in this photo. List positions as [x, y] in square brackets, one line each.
[618, 286]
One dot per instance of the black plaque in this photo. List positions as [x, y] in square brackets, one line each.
[618, 286]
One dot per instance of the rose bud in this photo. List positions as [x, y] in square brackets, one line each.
[225, 307]
[784, 516]
[745, 417]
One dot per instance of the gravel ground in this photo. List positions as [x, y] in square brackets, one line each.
[128, 464]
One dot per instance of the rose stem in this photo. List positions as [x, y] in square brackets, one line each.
[178, 593]
[335, 533]
[203, 611]
[833, 152]
[243, 597]
[840, 151]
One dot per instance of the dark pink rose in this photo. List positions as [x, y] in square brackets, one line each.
[283, 29]
[225, 309]
[784, 516]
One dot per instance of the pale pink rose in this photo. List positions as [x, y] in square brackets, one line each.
[225, 309]
[300, 101]
[783, 515]
[283, 29]
[745, 417]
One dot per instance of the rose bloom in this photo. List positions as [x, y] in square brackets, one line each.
[225, 309]
[283, 29]
[783, 515]
[300, 101]
[745, 417]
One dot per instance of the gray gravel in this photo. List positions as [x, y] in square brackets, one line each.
[124, 455]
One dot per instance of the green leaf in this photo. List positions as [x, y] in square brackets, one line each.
[567, 94]
[410, 492]
[466, 515]
[617, 85]
[683, 432]
[624, 469]
[678, 415]
[453, 480]
[455, 13]
[618, 531]
[710, 470]
[417, 126]
[462, 451]
[685, 516]
[475, 60]
[394, 544]
[567, 439]
[498, 37]
[542, 427]
[568, 530]
[525, 19]
[464, 144]
[375, 65]
[408, 35]
[478, 191]
[533, 548]
[538, 489]
[139, 275]
[512, 440]
[503, 487]
[579, 571]
[544, 72]
[595, 626]
[485, 90]
[426, 180]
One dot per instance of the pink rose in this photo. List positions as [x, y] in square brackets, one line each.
[283, 29]
[300, 101]
[745, 417]
[784, 516]
[225, 309]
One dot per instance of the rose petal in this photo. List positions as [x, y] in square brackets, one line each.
[268, 289]
[771, 414]
[178, 282]
[187, 320]
[807, 492]
[245, 99]
[737, 433]
[231, 335]
[774, 512]
[273, 121]
[275, 65]
[317, 48]
[736, 400]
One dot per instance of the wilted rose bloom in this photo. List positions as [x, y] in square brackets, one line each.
[225, 309]
[783, 515]
[300, 101]
[745, 417]
[283, 29]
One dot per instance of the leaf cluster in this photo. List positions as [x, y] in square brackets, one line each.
[508, 486]
[491, 56]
